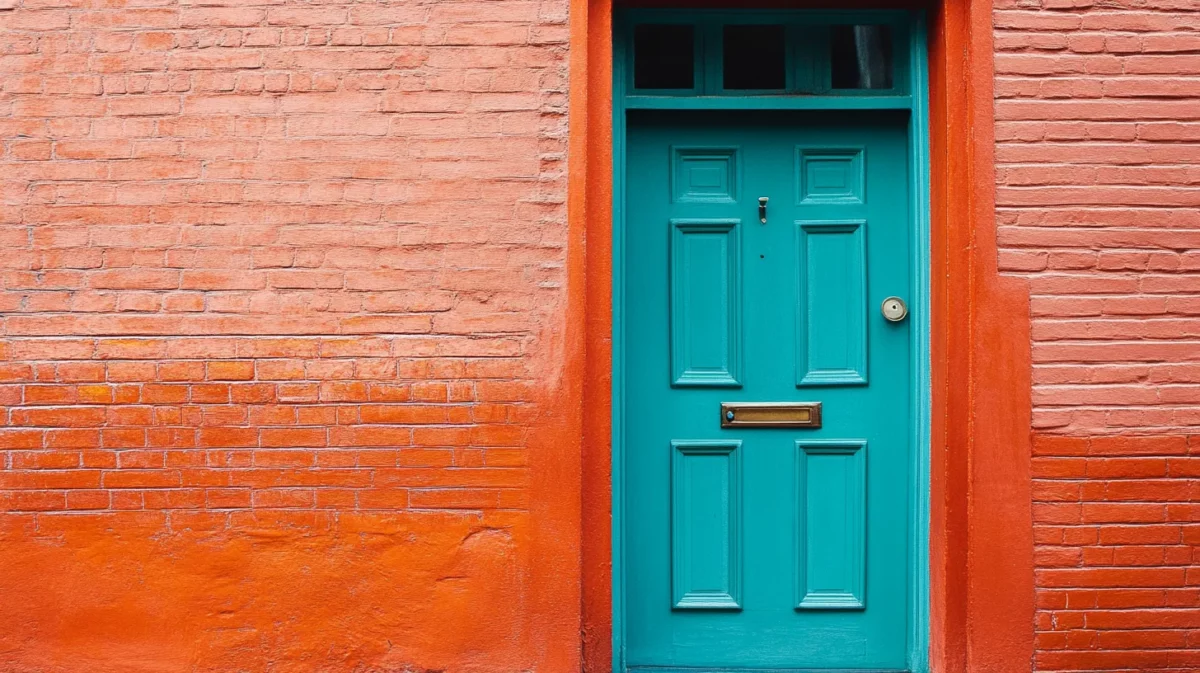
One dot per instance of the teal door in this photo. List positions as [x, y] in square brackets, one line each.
[767, 547]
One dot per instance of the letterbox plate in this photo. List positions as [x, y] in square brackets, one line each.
[770, 414]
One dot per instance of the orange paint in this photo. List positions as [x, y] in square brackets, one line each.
[981, 528]
[268, 591]
[595, 186]
[981, 542]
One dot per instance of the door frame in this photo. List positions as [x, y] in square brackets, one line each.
[916, 101]
[981, 589]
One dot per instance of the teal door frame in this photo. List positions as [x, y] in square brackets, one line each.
[911, 93]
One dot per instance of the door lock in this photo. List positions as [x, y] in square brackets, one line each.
[762, 209]
[894, 309]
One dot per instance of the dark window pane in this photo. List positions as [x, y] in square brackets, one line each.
[861, 57]
[663, 57]
[754, 57]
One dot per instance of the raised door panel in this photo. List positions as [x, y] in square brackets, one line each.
[830, 176]
[706, 303]
[831, 326]
[706, 525]
[831, 504]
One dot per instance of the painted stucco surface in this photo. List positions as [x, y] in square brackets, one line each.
[282, 307]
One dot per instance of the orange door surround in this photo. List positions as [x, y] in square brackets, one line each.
[981, 539]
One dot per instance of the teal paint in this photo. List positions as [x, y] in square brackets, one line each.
[814, 274]
[763, 103]
[620, 68]
[704, 175]
[910, 80]
[706, 302]
[829, 175]
[831, 324]
[831, 551]
[706, 525]
[918, 133]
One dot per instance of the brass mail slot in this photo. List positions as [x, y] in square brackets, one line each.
[770, 414]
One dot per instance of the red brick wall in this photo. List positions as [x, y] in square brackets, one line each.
[281, 288]
[1098, 131]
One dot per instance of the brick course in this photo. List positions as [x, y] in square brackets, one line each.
[1098, 139]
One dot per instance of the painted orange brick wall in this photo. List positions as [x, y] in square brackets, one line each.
[1098, 143]
[282, 305]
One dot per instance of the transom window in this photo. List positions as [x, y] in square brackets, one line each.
[766, 53]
